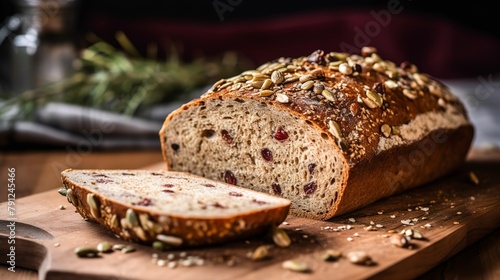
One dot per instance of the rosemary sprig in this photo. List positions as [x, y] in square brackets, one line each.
[123, 82]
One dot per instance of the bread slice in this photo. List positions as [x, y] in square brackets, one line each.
[331, 131]
[182, 209]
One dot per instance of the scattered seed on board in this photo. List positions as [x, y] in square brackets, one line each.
[473, 178]
[331, 255]
[359, 257]
[62, 192]
[86, 252]
[280, 237]
[297, 266]
[260, 253]
[104, 247]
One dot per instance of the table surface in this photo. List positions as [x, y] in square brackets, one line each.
[38, 171]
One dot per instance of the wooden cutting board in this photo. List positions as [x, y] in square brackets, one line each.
[451, 213]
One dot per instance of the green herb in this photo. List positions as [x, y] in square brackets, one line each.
[123, 82]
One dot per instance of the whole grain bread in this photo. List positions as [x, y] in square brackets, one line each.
[176, 208]
[331, 131]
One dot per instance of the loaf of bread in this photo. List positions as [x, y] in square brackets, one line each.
[332, 131]
[172, 207]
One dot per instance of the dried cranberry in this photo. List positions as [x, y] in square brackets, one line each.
[156, 174]
[379, 87]
[357, 68]
[226, 136]
[260, 202]
[280, 134]
[168, 185]
[311, 167]
[99, 175]
[218, 205]
[144, 202]
[209, 185]
[167, 191]
[235, 194]
[101, 181]
[310, 188]
[276, 188]
[266, 154]
[229, 177]
[317, 56]
[175, 147]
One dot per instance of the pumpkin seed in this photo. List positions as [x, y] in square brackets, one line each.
[131, 218]
[128, 249]
[260, 253]
[396, 130]
[277, 77]
[169, 239]
[140, 233]
[295, 266]
[118, 247]
[280, 237]
[158, 245]
[282, 98]
[331, 255]
[70, 196]
[86, 252]
[335, 129]
[94, 205]
[62, 192]
[375, 97]
[266, 92]
[113, 222]
[104, 247]
[328, 95]
[369, 103]
[386, 130]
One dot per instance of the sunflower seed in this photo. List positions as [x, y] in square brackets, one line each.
[94, 205]
[70, 196]
[290, 79]
[169, 239]
[256, 84]
[118, 247]
[265, 92]
[396, 130]
[328, 95]
[305, 78]
[295, 266]
[127, 249]
[113, 222]
[280, 237]
[307, 85]
[410, 94]
[282, 98]
[266, 84]
[140, 233]
[399, 240]
[390, 84]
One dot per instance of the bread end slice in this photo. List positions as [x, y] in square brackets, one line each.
[177, 208]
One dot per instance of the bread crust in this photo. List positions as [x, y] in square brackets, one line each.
[373, 111]
[193, 231]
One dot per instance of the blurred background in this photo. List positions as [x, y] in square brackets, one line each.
[108, 72]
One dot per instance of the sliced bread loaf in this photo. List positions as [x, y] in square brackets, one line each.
[331, 131]
[177, 208]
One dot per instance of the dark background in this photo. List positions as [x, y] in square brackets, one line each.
[447, 41]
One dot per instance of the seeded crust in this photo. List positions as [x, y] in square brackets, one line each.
[357, 119]
[197, 210]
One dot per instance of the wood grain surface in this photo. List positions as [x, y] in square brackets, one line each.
[458, 212]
